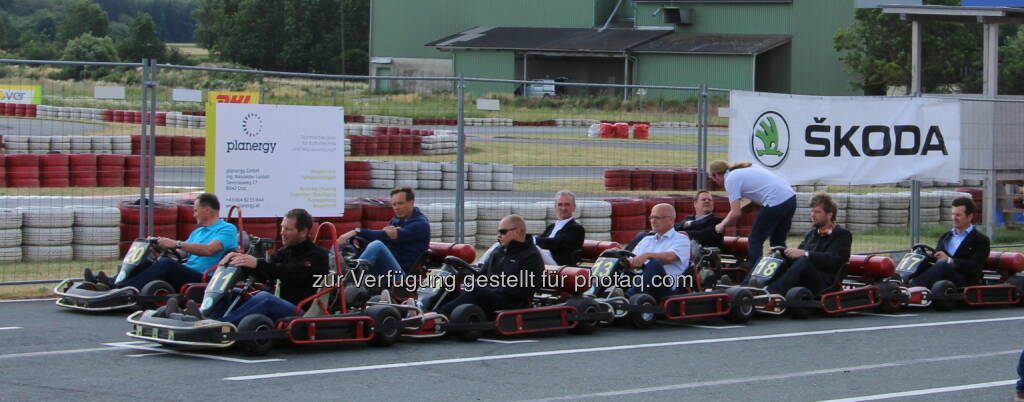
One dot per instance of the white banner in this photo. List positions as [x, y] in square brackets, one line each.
[272, 158]
[845, 139]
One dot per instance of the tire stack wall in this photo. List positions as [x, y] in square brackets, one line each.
[429, 175]
[628, 219]
[96, 234]
[596, 218]
[47, 234]
[10, 235]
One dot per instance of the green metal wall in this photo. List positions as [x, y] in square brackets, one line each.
[816, 68]
[486, 64]
[718, 71]
[773, 69]
[400, 28]
[737, 18]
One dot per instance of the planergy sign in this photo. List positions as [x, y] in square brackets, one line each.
[846, 140]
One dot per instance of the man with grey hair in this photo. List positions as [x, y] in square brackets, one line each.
[515, 258]
[564, 238]
[665, 253]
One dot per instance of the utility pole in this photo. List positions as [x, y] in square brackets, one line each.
[341, 12]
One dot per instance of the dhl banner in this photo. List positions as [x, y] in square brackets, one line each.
[233, 97]
[26, 94]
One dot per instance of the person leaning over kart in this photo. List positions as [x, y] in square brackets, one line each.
[204, 248]
[701, 225]
[665, 253]
[778, 201]
[515, 258]
[960, 253]
[396, 247]
[564, 238]
[824, 250]
[297, 265]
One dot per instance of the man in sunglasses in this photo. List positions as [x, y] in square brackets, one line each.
[664, 254]
[515, 258]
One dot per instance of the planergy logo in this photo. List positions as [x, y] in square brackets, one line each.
[252, 126]
[769, 139]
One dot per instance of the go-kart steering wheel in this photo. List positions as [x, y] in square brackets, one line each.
[460, 266]
[923, 249]
[167, 252]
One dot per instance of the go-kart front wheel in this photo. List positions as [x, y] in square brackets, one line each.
[943, 293]
[386, 329]
[795, 299]
[584, 305]
[640, 319]
[742, 306]
[256, 323]
[156, 288]
[468, 314]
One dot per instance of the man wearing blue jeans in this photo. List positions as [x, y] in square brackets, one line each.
[396, 247]
[297, 265]
[664, 254]
[204, 248]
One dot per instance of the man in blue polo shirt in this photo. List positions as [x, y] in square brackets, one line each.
[204, 248]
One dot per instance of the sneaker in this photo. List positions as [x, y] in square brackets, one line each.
[87, 276]
[191, 308]
[102, 278]
[385, 296]
[172, 307]
[726, 281]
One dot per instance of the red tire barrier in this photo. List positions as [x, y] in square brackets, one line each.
[640, 131]
[353, 213]
[110, 170]
[130, 231]
[621, 223]
[374, 211]
[641, 179]
[164, 213]
[375, 225]
[621, 130]
[181, 145]
[624, 236]
[198, 145]
[626, 206]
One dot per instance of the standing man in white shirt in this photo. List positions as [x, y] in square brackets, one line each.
[757, 184]
[664, 254]
[564, 238]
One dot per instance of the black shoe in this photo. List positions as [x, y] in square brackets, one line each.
[88, 276]
[725, 280]
[102, 278]
[754, 283]
[172, 307]
[191, 308]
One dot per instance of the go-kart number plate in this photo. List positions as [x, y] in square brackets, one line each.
[221, 279]
[604, 266]
[910, 262]
[766, 268]
[136, 253]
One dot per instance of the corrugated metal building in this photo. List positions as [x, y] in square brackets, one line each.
[765, 45]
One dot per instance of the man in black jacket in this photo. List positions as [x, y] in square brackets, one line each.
[701, 225]
[825, 249]
[564, 238]
[960, 253]
[297, 265]
[514, 258]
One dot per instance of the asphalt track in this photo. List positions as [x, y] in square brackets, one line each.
[919, 355]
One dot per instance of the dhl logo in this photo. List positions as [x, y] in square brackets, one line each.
[223, 98]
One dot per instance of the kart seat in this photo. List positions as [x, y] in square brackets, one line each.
[872, 266]
[1009, 262]
[837, 281]
[593, 248]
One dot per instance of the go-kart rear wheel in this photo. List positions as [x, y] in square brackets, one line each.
[943, 293]
[467, 314]
[386, 329]
[639, 319]
[890, 295]
[156, 288]
[798, 295]
[742, 306]
[256, 323]
[1018, 281]
[584, 305]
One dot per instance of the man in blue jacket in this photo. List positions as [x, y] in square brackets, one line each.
[396, 247]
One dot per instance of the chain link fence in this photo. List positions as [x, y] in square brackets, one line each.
[75, 158]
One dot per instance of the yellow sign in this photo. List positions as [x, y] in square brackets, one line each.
[233, 97]
[25, 94]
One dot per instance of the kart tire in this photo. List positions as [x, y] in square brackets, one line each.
[584, 305]
[802, 294]
[742, 306]
[387, 325]
[1018, 281]
[256, 323]
[156, 288]
[641, 320]
[468, 314]
[942, 291]
[889, 293]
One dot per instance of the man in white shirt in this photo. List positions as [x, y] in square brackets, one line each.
[564, 238]
[664, 256]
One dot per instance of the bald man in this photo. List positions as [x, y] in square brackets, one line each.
[665, 253]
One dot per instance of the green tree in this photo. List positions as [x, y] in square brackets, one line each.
[142, 41]
[87, 48]
[84, 17]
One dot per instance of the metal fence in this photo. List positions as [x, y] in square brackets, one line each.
[474, 150]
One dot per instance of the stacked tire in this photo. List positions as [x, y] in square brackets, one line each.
[96, 234]
[22, 170]
[435, 215]
[165, 220]
[83, 170]
[10, 235]
[801, 217]
[110, 170]
[480, 175]
[893, 211]
[47, 233]
[382, 174]
[16, 144]
[628, 218]
[469, 211]
[502, 177]
[55, 170]
[488, 216]
[595, 216]
[357, 174]
[429, 175]
[376, 213]
[535, 215]
[406, 174]
[863, 212]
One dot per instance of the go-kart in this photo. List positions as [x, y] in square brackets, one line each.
[999, 284]
[696, 300]
[558, 305]
[87, 296]
[324, 317]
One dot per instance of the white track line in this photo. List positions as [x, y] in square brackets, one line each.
[53, 352]
[133, 345]
[882, 315]
[507, 342]
[27, 300]
[612, 348]
[744, 380]
[929, 391]
[715, 326]
[7, 328]
[146, 354]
